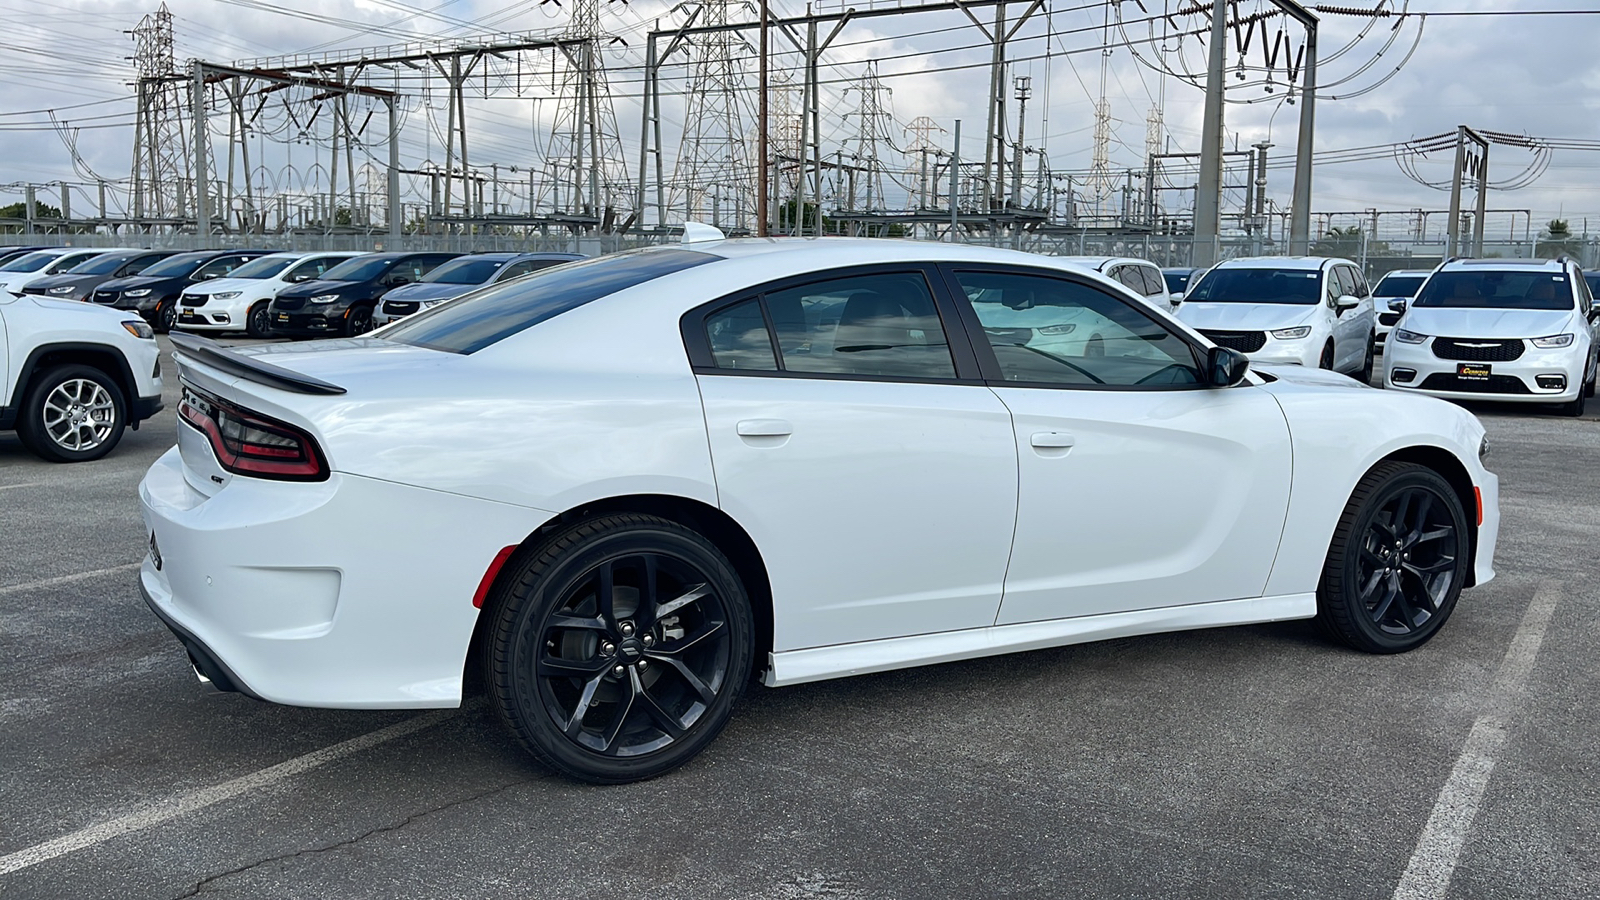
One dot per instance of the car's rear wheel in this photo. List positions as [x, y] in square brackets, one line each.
[258, 323]
[617, 649]
[1397, 562]
[72, 414]
[358, 321]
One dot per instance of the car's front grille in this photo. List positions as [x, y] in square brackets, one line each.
[105, 296]
[288, 303]
[1469, 350]
[1494, 384]
[400, 307]
[194, 299]
[1242, 341]
[1388, 319]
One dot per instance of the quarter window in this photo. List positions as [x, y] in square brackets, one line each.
[1047, 330]
[739, 338]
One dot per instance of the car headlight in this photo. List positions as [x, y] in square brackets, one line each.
[226, 295]
[139, 329]
[1059, 329]
[1292, 334]
[430, 304]
[141, 292]
[324, 298]
[1553, 341]
[64, 289]
[1408, 337]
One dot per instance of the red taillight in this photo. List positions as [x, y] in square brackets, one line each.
[248, 443]
[493, 573]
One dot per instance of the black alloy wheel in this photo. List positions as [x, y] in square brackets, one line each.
[1397, 562]
[166, 317]
[358, 321]
[617, 649]
[258, 322]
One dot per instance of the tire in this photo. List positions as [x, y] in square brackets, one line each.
[1372, 354]
[358, 321]
[258, 321]
[1588, 388]
[72, 413]
[556, 645]
[1327, 357]
[1574, 407]
[165, 317]
[1374, 596]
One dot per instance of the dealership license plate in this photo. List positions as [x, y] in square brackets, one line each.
[187, 311]
[1473, 372]
[283, 317]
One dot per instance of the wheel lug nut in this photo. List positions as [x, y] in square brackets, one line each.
[644, 664]
[619, 670]
[608, 648]
[627, 628]
[648, 640]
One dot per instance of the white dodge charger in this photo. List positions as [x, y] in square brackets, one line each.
[621, 488]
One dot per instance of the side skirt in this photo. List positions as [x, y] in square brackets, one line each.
[840, 660]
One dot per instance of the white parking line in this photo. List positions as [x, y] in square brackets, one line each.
[1427, 876]
[7, 487]
[188, 803]
[65, 579]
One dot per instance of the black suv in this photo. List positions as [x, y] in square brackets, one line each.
[78, 282]
[153, 293]
[342, 300]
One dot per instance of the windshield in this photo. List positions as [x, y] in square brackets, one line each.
[1497, 290]
[484, 317]
[1296, 286]
[31, 262]
[359, 269]
[175, 266]
[1399, 285]
[1177, 281]
[468, 270]
[1593, 278]
[265, 267]
[101, 265]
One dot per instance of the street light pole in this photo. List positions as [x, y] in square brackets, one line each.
[761, 128]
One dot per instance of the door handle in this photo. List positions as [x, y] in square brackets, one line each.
[1052, 440]
[765, 428]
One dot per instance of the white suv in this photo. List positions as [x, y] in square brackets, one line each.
[73, 375]
[24, 270]
[239, 302]
[1140, 276]
[1303, 311]
[1499, 329]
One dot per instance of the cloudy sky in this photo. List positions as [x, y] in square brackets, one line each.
[1521, 74]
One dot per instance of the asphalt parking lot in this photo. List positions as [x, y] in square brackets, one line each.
[1247, 762]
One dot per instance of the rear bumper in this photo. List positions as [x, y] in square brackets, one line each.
[206, 663]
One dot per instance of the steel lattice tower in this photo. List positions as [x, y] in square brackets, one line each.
[714, 176]
[583, 159]
[162, 167]
[873, 121]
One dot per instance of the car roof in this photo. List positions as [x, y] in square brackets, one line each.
[864, 251]
[1100, 262]
[1303, 263]
[1457, 265]
[1409, 272]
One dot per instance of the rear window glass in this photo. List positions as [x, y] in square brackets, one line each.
[493, 314]
[1496, 290]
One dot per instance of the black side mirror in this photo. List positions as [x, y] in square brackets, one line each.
[1226, 368]
[1398, 306]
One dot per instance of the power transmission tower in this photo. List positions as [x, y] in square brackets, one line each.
[714, 168]
[161, 157]
[873, 121]
[921, 131]
[584, 156]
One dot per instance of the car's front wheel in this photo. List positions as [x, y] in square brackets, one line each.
[1366, 365]
[1397, 562]
[166, 316]
[358, 321]
[618, 646]
[72, 413]
[258, 323]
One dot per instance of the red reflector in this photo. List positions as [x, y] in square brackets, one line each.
[493, 573]
[1478, 493]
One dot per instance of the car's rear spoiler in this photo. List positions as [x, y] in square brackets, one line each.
[214, 354]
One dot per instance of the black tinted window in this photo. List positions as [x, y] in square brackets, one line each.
[739, 338]
[1296, 286]
[468, 270]
[1399, 286]
[493, 314]
[1497, 290]
[359, 269]
[101, 265]
[883, 325]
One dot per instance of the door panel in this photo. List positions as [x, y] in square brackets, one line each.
[1159, 498]
[881, 509]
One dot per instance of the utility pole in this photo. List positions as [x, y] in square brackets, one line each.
[763, 139]
[1208, 199]
[1024, 89]
[1471, 161]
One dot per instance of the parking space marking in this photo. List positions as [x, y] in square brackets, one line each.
[171, 809]
[65, 579]
[1427, 875]
[7, 487]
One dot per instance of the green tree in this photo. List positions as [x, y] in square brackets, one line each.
[12, 215]
[1347, 243]
[1556, 239]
